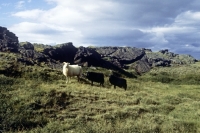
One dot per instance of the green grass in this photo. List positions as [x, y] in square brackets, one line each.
[185, 74]
[165, 100]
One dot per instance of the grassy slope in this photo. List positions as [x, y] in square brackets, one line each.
[41, 101]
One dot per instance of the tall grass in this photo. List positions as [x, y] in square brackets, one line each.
[41, 101]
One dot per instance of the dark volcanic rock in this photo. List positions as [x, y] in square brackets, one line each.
[30, 57]
[105, 51]
[8, 41]
[165, 58]
[159, 62]
[142, 67]
[120, 56]
[32, 54]
[28, 46]
[125, 55]
[64, 52]
[88, 55]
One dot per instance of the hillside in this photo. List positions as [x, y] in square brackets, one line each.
[162, 93]
[116, 58]
[161, 100]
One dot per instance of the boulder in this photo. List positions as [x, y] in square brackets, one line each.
[63, 52]
[27, 46]
[120, 56]
[89, 56]
[125, 55]
[155, 62]
[142, 66]
[105, 51]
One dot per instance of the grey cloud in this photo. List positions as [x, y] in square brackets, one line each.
[134, 38]
[154, 12]
[197, 45]
[192, 52]
[47, 31]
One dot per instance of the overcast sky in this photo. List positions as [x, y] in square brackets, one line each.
[152, 24]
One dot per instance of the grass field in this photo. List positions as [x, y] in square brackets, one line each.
[165, 100]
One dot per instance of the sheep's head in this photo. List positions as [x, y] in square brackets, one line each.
[66, 64]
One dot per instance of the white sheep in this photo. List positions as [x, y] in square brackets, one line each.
[71, 70]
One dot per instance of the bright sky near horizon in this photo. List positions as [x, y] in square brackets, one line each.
[152, 24]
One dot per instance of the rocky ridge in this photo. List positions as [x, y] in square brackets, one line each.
[116, 58]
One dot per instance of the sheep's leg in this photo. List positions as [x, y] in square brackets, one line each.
[67, 79]
[102, 84]
[78, 78]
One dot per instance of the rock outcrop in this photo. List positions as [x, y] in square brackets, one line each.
[115, 58]
[165, 58]
[120, 56]
[32, 57]
[27, 46]
[90, 57]
[8, 41]
[63, 52]
[142, 66]
[87, 56]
